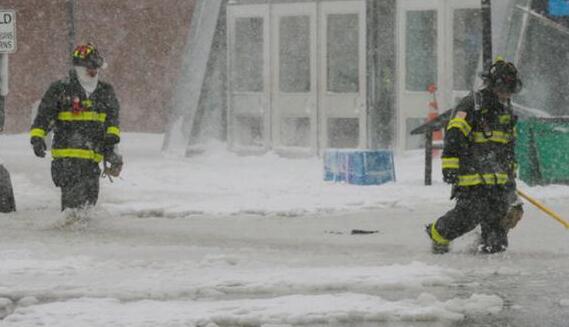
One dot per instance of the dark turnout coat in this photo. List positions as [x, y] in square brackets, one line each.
[480, 141]
[80, 125]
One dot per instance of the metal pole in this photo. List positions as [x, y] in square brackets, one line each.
[4, 74]
[428, 156]
[3, 87]
[71, 24]
[486, 8]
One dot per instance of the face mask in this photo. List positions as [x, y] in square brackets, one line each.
[89, 83]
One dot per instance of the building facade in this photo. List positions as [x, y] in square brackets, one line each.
[142, 41]
[294, 76]
[301, 76]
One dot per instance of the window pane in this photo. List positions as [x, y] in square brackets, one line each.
[294, 54]
[343, 55]
[248, 65]
[543, 69]
[343, 132]
[421, 50]
[295, 132]
[514, 33]
[248, 130]
[467, 44]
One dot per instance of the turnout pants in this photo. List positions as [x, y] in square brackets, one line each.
[83, 193]
[481, 205]
[78, 180]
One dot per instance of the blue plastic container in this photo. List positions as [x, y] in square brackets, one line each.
[558, 8]
[361, 167]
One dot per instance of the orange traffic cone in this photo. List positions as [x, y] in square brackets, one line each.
[433, 114]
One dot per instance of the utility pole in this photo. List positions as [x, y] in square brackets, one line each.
[71, 24]
[486, 34]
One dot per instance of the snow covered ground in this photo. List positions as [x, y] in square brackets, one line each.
[223, 240]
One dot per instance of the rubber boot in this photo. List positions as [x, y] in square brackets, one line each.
[436, 247]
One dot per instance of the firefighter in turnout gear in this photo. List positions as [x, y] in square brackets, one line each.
[478, 160]
[83, 113]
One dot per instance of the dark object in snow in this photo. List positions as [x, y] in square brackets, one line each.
[354, 232]
[363, 232]
[7, 200]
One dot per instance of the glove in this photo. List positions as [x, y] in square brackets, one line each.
[39, 146]
[450, 176]
[113, 165]
[513, 216]
[111, 139]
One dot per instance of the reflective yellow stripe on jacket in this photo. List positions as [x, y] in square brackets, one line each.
[487, 179]
[114, 130]
[82, 116]
[505, 119]
[37, 132]
[495, 136]
[451, 163]
[461, 124]
[77, 153]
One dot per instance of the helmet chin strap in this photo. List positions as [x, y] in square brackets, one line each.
[88, 83]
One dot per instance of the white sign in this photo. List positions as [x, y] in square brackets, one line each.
[7, 31]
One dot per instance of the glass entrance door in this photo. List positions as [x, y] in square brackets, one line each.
[466, 46]
[421, 53]
[440, 44]
[294, 85]
[342, 92]
[297, 76]
[249, 105]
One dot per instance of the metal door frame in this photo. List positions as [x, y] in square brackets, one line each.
[450, 10]
[264, 111]
[360, 105]
[269, 12]
[310, 109]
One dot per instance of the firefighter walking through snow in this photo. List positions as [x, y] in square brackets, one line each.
[83, 113]
[478, 159]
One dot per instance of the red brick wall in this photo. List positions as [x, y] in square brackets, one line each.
[141, 40]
